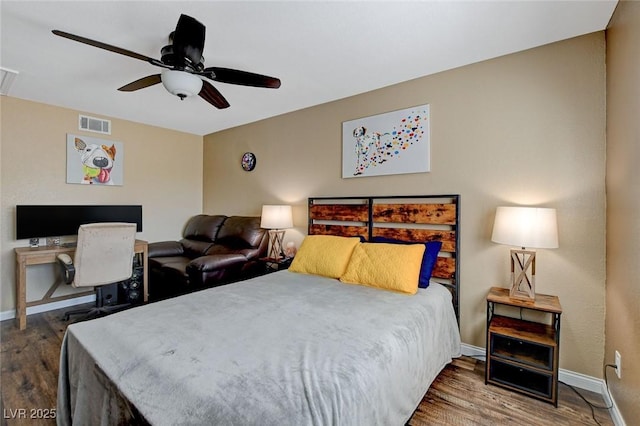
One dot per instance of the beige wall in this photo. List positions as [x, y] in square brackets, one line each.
[623, 204]
[163, 172]
[527, 128]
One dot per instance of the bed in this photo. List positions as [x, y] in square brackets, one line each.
[285, 348]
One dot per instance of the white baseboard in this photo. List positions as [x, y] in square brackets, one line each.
[615, 412]
[7, 315]
[473, 351]
[572, 378]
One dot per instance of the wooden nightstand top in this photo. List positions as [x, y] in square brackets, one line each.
[543, 302]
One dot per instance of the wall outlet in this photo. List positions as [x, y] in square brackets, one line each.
[618, 365]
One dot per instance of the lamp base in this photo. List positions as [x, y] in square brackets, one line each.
[523, 275]
[275, 241]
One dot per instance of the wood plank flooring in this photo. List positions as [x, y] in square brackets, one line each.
[29, 364]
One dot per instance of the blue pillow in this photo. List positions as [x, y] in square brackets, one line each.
[432, 248]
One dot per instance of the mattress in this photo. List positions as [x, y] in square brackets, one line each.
[281, 349]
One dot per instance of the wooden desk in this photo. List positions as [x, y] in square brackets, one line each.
[26, 256]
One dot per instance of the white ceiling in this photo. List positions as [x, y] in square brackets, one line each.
[321, 51]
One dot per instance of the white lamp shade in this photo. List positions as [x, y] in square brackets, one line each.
[276, 217]
[181, 83]
[532, 227]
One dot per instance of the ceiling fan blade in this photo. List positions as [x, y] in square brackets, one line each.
[244, 78]
[109, 47]
[188, 39]
[147, 81]
[213, 96]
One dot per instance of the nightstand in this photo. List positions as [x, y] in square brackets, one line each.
[273, 265]
[523, 355]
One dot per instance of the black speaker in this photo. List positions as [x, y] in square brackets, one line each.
[130, 291]
[109, 294]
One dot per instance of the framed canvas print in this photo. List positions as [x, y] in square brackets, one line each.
[94, 161]
[395, 142]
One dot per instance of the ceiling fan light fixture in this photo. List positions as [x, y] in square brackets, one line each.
[184, 73]
[181, 83]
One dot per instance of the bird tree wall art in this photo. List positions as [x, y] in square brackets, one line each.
[396, 142]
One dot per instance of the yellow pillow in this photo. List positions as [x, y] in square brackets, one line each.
[325, 255]
[393, 267]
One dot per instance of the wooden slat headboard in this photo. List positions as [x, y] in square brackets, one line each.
[417, 218]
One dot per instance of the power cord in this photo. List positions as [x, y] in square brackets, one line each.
[590, 404]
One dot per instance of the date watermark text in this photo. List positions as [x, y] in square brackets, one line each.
[29, 413]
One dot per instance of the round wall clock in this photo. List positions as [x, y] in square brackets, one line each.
[248, 161]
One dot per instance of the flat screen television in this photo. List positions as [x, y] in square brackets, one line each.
[57, 221]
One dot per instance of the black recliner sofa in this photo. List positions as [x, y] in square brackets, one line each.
[214, 250]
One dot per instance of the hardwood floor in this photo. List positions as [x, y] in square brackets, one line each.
[459, 396]
[29, 378]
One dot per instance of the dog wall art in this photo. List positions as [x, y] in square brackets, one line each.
[93, 161]
[396, 142]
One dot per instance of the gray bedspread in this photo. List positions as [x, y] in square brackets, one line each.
[282, 349]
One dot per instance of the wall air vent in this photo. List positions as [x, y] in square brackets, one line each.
[92, 124]
[6, 80]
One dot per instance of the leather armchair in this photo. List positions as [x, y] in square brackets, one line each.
[214, 250]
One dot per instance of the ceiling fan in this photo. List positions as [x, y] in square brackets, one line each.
[183, 65]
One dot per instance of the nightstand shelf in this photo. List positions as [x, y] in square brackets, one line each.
[273, 265]
[523, 355]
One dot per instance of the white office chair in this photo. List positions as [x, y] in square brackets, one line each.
[104, 255]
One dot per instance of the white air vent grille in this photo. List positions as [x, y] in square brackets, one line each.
[92, 124]
[6, 80]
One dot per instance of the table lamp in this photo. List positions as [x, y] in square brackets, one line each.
[275, 218]
[525, 227]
